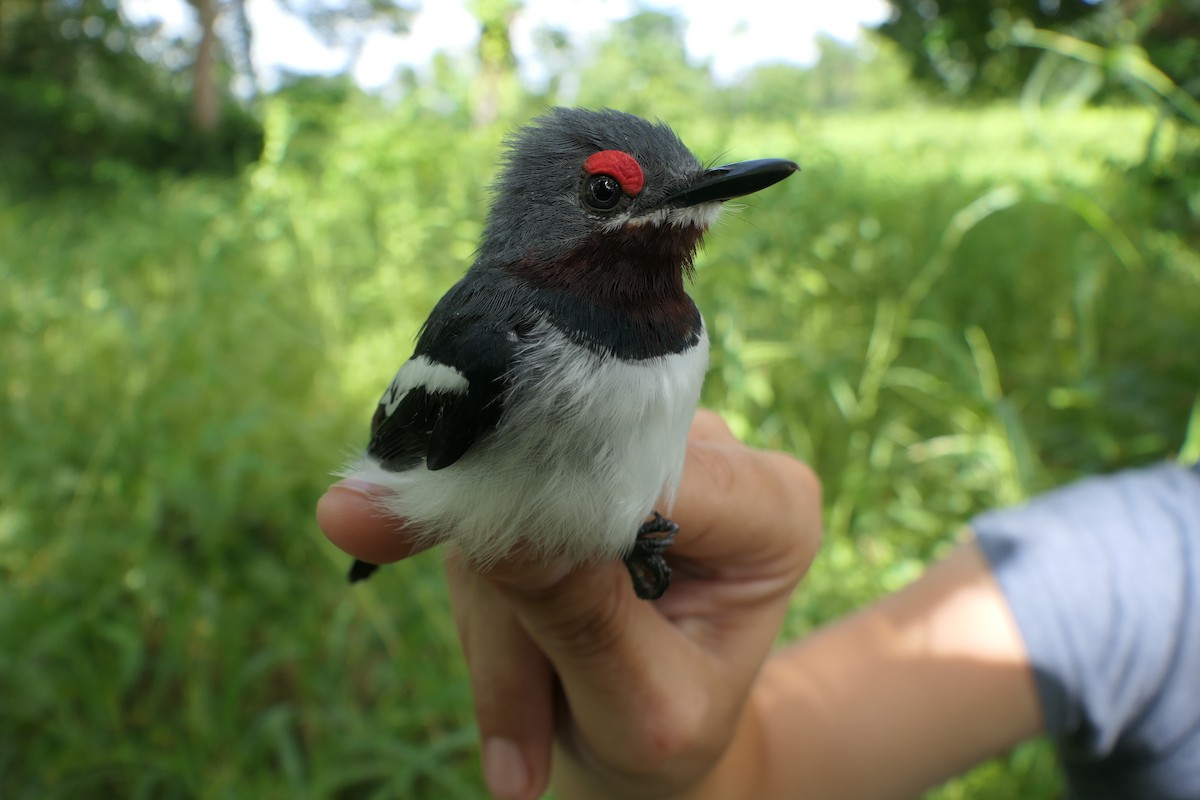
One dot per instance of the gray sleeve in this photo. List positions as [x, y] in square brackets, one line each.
[1103, 578]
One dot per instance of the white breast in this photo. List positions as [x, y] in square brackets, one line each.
[587, 448]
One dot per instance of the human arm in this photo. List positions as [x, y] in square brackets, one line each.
[1076, 615]
[882, 704]
[899, 696]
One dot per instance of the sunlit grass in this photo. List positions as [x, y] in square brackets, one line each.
[945, 311]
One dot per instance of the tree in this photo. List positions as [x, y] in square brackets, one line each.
[82, 84]
[866, 75]
[497, 61]
[960, 45]
[76, 88]
[643, 67]
[343, 24]
[976, 48]
[346, 24]
[206, 108]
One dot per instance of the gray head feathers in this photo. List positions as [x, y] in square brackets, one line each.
[537, 210]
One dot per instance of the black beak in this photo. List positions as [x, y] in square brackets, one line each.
[733, 180]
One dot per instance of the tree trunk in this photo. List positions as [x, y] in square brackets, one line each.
[206, 106]
[497, 61]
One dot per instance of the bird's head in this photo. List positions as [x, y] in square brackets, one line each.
[606, 192]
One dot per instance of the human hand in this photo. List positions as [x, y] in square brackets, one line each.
[640, 699]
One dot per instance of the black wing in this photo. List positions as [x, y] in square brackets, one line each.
[445, 398]
[465, 371]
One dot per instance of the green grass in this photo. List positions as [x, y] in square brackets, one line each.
[945, 311]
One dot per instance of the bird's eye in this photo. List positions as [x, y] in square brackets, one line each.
[602, 192]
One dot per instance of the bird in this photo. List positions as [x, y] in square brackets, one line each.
[547, 401]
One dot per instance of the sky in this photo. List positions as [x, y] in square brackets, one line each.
[733, 35]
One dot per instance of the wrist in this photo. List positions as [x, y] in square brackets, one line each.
[738, 773]
[735, 773]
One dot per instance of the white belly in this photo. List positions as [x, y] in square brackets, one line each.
[587, 448]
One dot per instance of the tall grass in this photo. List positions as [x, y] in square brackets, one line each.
[944, 312]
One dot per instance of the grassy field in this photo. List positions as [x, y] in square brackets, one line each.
[946, 311]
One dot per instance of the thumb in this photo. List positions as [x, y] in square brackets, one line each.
[352, 518]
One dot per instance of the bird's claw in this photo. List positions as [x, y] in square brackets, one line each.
[649, 570]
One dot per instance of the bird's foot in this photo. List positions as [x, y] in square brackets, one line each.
[649, 570]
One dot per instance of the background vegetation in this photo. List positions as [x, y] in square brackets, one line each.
[959, 303]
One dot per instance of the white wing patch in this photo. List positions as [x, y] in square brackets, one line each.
[422, 372]
[588, 446]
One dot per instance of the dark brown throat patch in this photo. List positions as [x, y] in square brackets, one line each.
[623, 289]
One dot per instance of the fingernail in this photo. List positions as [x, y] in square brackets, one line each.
[360, 486]
[504, 769]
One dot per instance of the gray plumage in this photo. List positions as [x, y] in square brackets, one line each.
[536, 208]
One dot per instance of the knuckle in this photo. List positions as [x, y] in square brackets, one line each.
[675, 739]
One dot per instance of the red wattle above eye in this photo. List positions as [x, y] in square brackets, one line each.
[620, 165]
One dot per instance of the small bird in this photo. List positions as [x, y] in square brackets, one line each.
[548, 400]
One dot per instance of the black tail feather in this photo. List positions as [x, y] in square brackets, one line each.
[361, 570]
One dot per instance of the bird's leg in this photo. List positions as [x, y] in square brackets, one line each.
[649, 570]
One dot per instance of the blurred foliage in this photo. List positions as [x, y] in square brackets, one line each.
[84, 90]
[958, 44]
[346, 23]
[966, 47]
[948, 310]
